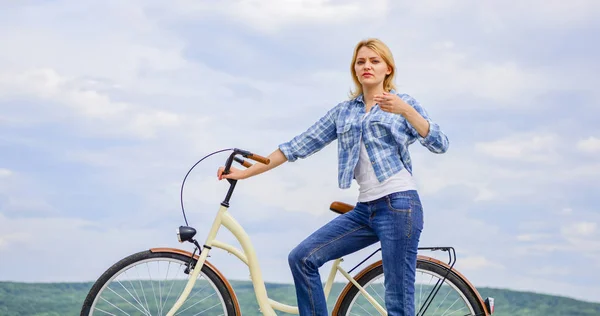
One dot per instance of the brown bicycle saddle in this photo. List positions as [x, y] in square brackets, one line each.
[341, 207]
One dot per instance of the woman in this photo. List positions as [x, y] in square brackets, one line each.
[374, 129]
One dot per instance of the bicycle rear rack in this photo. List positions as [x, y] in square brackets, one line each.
[439, 283]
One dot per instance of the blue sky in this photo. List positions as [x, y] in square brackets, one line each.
[104, 106]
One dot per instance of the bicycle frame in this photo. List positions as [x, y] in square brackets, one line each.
[249, 257]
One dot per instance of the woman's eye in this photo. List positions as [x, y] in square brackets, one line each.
[360, 62]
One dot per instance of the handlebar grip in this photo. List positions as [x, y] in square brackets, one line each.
[259, 158]
[243, 162]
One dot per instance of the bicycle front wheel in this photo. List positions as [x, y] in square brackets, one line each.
[149, 283]
[453, 297]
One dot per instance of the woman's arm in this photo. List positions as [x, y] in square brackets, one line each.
[419, 124]
[276, 158]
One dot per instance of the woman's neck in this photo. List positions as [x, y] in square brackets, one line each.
[369, 94]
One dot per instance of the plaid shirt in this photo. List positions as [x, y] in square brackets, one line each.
[386, 137]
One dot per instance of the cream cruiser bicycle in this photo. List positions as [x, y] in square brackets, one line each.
[168, 281]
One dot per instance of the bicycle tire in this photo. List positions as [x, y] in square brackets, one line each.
[226, 298]
[349, 296]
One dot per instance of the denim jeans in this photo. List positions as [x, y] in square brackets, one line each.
[395, 220]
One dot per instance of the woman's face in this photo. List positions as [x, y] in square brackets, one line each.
[370, 68]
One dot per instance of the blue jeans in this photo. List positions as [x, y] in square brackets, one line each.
[395, 220]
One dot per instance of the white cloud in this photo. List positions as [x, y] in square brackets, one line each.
[477, 263]
[103, 243]
[589, 145]
[275, 15]
[541, 249]
[526, 148]
[120, 117]
[5, 172]
[550, 271]
[22, 194]
[129, 40]
[9, 239]
[494, 16]
[454, 72]
[566, 211]
[574, 238]
[580, 229]
[547, 14]
[533, 237]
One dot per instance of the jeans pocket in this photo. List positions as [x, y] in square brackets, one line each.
[401, 209]
[400, 204]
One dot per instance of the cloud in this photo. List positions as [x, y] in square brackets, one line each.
[525, 148]
[533, 237]
[21, 195]
[589, 145]
[86, 104]
[5, 173]
[274, 16]
[102, 242]
[582, 229]
[477, 263]
[495, 16]
[502, 84]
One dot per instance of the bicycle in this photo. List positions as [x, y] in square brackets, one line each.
[126, 286]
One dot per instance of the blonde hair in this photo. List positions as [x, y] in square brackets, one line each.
[386, 54]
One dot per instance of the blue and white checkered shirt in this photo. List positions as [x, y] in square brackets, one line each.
[386, 137]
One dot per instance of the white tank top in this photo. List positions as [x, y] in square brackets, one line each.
[369, 187]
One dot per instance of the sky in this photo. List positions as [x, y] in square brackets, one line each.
[105, 105]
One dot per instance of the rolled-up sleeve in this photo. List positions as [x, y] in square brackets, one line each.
[313, 139]
[436, 140]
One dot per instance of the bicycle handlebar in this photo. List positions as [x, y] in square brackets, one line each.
[259, 158]
[242, 162]
[247, 154]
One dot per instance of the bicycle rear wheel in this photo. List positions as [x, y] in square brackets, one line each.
[454, 297]
[149, 283]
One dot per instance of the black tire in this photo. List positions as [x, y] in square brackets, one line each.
[426, 266]
[117, 268]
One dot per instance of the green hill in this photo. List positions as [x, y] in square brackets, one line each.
[50, 299]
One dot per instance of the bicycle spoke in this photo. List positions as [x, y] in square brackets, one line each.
[207, 309]
[128, 302]
[442, 302]
[136, 294]
[113, 305]
[142, 287]
[421, 289]
[195, 304]
[146, 312]
[364, 310]
[172, 283]
[105, 312]
[382, 299]
[458, 310]
[159, 303]
[152, 284]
